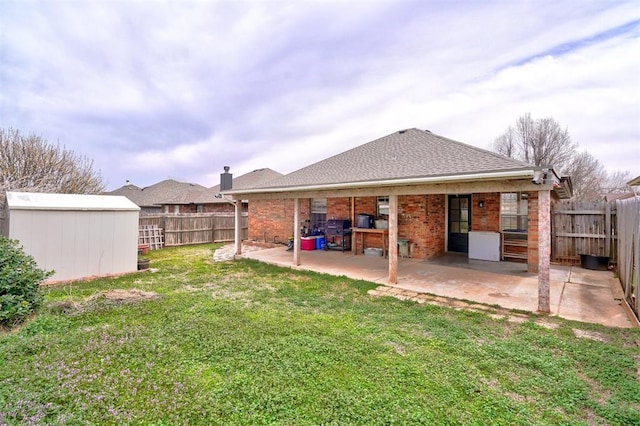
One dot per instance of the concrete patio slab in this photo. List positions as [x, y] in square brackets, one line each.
[576, 293]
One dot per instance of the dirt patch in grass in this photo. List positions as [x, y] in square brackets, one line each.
[123, 296]
[116, 296]
[593, 335]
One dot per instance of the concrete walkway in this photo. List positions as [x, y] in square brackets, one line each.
[576, 293]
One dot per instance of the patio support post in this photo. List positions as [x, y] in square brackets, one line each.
[238, 227]
[544, 250]
[296, 231]
[393, 239]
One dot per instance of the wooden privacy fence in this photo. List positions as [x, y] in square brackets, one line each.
[582, 228]
[186, 229]
[629, 249]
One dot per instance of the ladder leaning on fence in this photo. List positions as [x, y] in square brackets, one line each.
[151, 235]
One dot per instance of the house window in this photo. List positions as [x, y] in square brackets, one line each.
[383, 206]
[176, 209]
[199, 208]
[513, 211]
[318, 213]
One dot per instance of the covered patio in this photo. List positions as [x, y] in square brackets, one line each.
[575, 293]
[429, 193]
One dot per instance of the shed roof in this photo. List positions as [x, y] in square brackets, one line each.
[48, 201]
[407, 155]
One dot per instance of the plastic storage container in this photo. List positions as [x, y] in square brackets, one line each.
[308, 243]
[320, 242]
[373, 252]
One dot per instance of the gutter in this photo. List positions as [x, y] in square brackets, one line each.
[529, 173]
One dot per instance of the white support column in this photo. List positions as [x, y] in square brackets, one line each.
[393, 239]
[296, 231]
[544, 251]
[238, 227]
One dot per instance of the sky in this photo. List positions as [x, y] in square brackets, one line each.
[153, 90]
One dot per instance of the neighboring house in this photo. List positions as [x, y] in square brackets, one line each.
[634, 182]
[439, 194]
[633, 185]
[171, 196]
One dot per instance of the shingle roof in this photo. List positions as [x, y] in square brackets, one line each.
[173, 192]
[252, 179]
[132, 192]
[166, 192]
[406, 154]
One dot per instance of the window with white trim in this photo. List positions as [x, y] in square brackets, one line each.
[513, 211]
[318, 213]
[383, 206]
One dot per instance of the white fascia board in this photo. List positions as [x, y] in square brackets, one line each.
[513, 174]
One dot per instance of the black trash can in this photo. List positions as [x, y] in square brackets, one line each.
[593, 262]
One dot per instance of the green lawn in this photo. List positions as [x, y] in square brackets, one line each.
[247, 343]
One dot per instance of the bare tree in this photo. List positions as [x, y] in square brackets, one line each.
[588, 176]
[30, 163]
[617, 182]
[539, 142]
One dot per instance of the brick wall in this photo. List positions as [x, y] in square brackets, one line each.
[272, 220]
[485, 218]
[338, 208]
[366, 205]
[421, 219]
[429, 229]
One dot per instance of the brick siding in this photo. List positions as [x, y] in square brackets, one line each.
[272, 220]
[485, 218]
[421, 219]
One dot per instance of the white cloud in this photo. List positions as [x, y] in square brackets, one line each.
[183, 88]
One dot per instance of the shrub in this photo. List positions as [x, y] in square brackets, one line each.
[20, 279]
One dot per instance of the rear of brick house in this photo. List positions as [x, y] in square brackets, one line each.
[431, 189]
[423, 221]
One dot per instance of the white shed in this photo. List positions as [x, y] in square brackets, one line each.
[77, 236]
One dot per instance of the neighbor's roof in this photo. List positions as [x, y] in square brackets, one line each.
[48, 201]
[132, 192]
[405, 156]
[258, 177]
[170, 191]
[173, 192]
[634, 182]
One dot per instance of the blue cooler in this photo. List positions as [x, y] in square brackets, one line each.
[320, 242]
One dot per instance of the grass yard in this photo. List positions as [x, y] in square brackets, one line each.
[198, 342]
